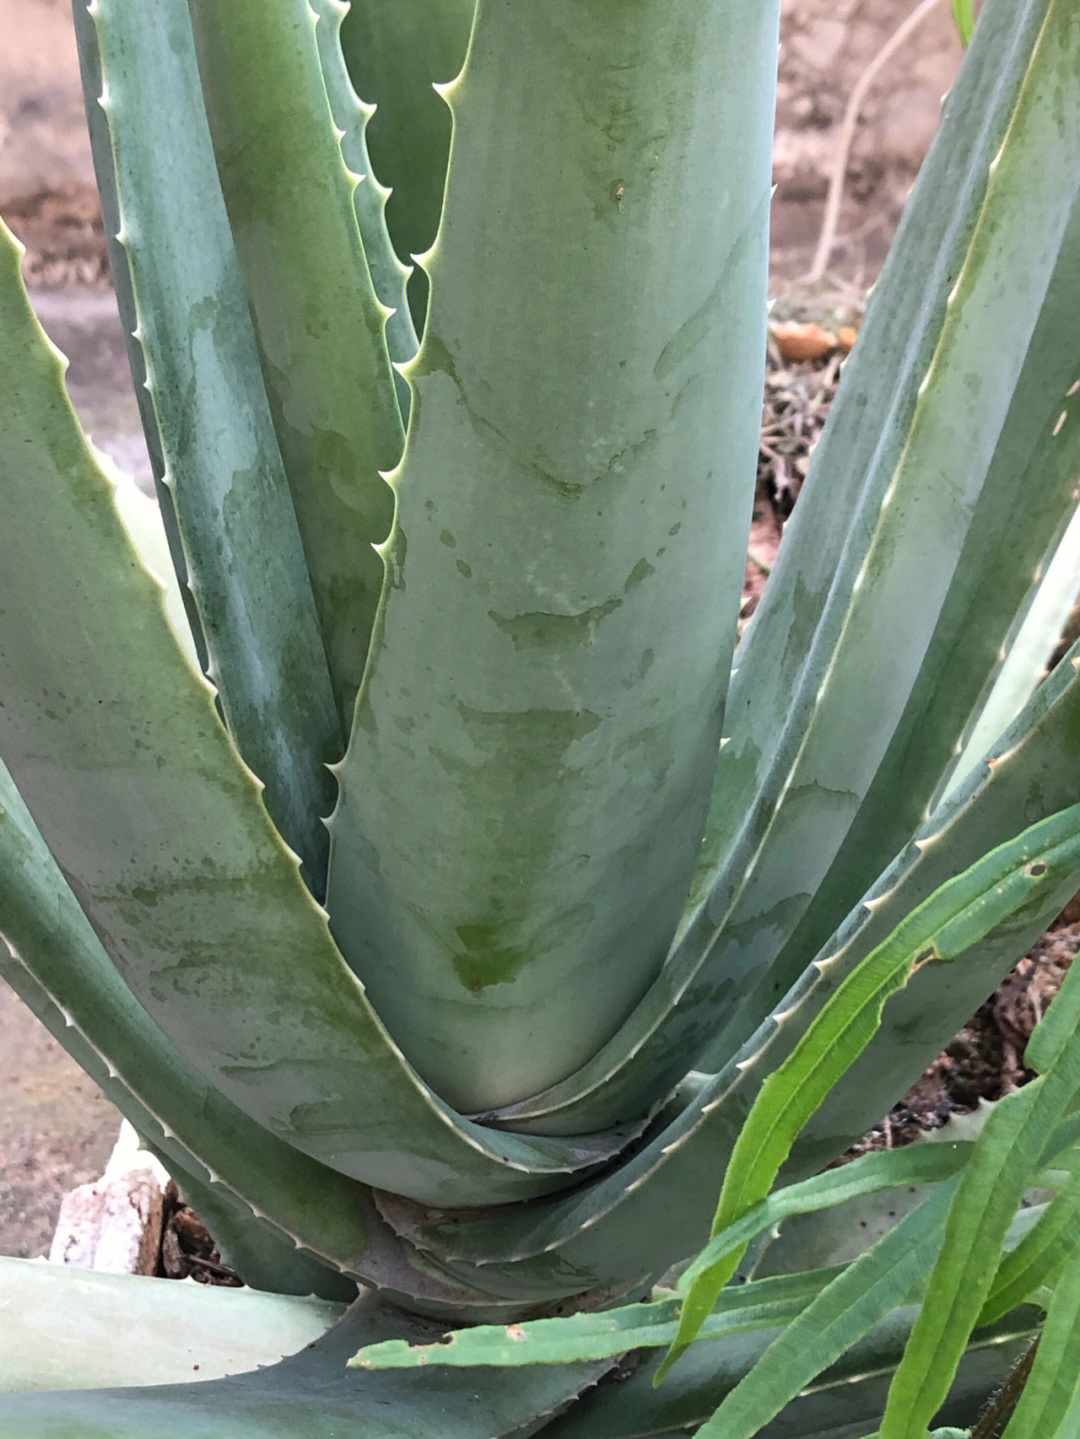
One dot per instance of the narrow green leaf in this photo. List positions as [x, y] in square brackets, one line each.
[319, 324]
[763, 1304]
[1037, 1259]
[1006, 1158]
[964, 16]
[845, 1312]
[887, 1169]
[951, 920]
[1050, 1400]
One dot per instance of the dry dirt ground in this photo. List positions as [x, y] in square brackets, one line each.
[55, 1130]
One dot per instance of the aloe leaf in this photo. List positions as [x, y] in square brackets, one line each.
[389, 277]
[333, 1233]
[105, 727]
[105, 175]
[397, 51]
[576, 626]
[810, 766]
[318, 322]
[1005, 1160]
[992, 905]
[855, 773]
[245, 562]
[1029, 653]
[310, 1395]
[70, 1329]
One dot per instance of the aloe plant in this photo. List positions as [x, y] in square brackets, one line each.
[388, 822]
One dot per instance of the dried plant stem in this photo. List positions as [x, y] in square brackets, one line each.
[831, 219]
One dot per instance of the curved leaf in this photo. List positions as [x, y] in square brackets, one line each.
[520, 813]
[244, 558]
[158, 828]
[320, 328]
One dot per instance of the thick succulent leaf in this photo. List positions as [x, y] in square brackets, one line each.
[311, 1395]
[318, 322]
[1003, 901]
[397, 51]
[1029, 651]
[261, 1202]
[244, 558]
[840, 722]
[297, 1222]
[520, 814]
[389, 276]
[105, 174]
[158, 827]
[64, 1328]
[949, 533]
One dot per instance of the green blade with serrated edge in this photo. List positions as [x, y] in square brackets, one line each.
[319, 324]
[1000, 904]
[309, 1395]
[245, 562]
[105, 175]
[569, 540]
[397, 51]
[158, 827]
[1030, 652]
[283, 1199]
[389, 277]
[915, 1164]
[68, 1329]
[1005, 1162]
[805, 754]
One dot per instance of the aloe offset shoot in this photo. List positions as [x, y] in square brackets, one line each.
[389, 822]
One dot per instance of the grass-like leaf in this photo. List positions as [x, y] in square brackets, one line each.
[955, 917]
[1007, 1156]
